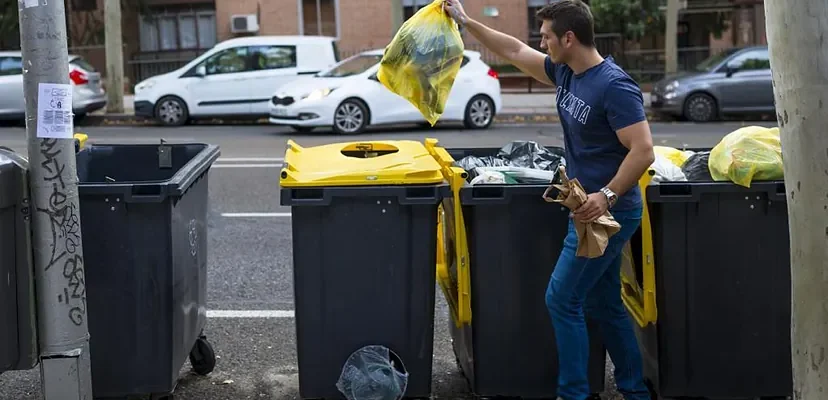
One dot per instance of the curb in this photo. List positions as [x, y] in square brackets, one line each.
[132, 120]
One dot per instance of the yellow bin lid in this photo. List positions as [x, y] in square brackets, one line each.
[400, 162]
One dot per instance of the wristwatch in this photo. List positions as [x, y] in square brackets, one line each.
[611, 196]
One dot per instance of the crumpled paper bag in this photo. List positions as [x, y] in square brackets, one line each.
[594, 236]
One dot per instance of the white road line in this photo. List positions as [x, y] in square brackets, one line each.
[250, 159]
[256, 215]
[250, 313]
[247, 165]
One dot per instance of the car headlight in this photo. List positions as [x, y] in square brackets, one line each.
[672, 86]
[144, 85]
[318, 94]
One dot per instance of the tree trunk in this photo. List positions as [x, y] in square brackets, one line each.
[799, 60]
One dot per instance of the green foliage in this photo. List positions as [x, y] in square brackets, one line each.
[630, 18]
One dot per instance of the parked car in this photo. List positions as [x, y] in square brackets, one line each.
[734, 81]
[237, 78]
[349, 97]
[87, 95]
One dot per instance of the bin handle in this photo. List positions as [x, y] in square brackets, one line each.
[145, 194]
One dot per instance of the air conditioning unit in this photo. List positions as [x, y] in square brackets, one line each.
[246, 23]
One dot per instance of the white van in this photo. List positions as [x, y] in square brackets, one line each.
[237, 78]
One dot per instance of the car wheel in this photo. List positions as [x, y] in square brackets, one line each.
[350, 117]
[302, 129]
[171, 111]
[700, 107]
[479, 112]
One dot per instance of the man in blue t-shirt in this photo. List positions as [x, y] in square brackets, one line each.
[608, 147]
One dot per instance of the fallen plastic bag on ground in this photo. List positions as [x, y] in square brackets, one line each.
[422, 61]
[373, 373]
[697, 168]
[748, 154]
[666, 170]
[518, 158]
[593, 237]
[676, 156]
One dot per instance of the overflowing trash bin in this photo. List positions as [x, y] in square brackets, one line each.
[500, 242]
[18, 319]
[710, 282]
[722, 291]
[364, 219]
[143, 211]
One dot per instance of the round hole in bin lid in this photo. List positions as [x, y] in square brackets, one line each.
[368, 150]
[373, 373]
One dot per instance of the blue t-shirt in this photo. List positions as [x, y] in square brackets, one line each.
[592, 106]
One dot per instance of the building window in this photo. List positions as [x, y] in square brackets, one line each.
[173, 31]
[410, 7]
[319, 18]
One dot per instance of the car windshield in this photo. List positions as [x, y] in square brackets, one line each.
[714, 60]
[352, 66]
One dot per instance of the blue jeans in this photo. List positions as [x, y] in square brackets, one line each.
[594, 285]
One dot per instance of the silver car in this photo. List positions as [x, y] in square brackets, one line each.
[734, 81]
[88, 95]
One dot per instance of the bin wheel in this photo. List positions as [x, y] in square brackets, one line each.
[202, 357]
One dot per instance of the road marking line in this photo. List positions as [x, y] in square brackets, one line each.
[247, 165]
[250, 314]
[250, 159]
[256, 215]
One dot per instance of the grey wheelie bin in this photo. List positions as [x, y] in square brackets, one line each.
[364, 219]
[721, 275]
[502, 244]
[18, 322]
[143, 215]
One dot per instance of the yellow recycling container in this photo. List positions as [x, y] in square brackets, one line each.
[364, 225]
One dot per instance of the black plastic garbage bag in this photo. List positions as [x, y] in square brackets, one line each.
[528, 154]
[519, 153]
[696, 167]
[373, 373]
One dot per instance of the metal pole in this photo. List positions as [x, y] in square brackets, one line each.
[58, 251]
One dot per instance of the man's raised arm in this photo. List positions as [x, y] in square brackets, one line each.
[517, 53]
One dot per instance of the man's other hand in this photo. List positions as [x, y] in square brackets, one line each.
[595, 206]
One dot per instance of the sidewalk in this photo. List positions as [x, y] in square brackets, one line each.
[513, 104]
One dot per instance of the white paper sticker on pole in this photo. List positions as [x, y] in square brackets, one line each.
[54, 111]
[31, 3]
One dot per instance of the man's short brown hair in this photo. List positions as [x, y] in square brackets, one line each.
[570, 15]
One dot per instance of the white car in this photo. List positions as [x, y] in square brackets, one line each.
[235, 78]
[349, 98]
[88, 95]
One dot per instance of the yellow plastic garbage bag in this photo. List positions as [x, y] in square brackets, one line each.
[675, 156]
[751, 153]
[422, 61]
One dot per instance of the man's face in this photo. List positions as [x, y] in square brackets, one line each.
[558, 49]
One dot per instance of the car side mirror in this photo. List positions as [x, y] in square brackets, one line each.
[201, 71]
[373, 77]
[732, 68]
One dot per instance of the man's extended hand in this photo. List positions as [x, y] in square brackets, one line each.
[455, 9]
[595, 206]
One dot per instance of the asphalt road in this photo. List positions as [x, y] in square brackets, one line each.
[250, 267]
